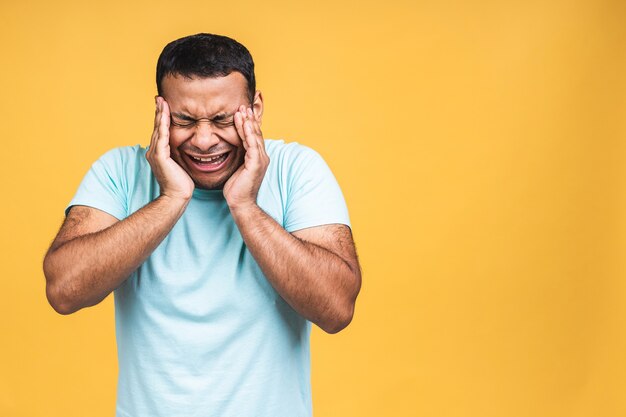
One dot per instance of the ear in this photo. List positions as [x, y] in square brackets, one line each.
[257, 106]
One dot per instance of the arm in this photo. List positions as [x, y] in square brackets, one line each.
[94, 252]
[315, 270]
[83, 266]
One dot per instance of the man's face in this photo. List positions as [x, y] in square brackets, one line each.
[215, 101]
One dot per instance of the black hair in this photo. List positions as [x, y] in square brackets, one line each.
[206, 55]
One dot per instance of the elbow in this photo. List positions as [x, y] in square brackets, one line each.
[338, 323]
[344, 313]
[57, 300]
[341, 317]
[57, 303]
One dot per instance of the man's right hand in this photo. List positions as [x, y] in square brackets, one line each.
[172, 178]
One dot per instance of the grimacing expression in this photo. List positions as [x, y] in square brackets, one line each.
[202, 125]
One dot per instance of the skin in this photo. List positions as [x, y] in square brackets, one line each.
[202, 98]
[315, 270]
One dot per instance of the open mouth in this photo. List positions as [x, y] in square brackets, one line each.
[209, 164]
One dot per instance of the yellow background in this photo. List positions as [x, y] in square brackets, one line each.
[480, 147]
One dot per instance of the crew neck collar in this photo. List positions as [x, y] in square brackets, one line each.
[208, 194]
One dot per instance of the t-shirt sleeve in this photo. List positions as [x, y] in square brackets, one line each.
[314, 197]
[104, 186]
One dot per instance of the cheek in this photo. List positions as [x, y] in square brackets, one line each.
[233, 138]
[177, 137]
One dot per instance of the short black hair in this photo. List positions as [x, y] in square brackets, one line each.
[206, 55]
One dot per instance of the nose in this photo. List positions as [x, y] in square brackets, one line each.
[204, 137]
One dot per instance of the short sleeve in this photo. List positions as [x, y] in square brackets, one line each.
[104, 186]
[314, 197]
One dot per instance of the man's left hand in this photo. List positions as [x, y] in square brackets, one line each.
[242, 187]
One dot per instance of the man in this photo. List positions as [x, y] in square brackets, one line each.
[221, 248]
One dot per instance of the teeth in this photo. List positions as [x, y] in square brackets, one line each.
[208, 159]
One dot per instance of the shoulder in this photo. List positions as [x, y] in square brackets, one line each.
[298, 167]
[289, 157]
[122, 166]
[125, 153]
[308, 191]
[123, 158]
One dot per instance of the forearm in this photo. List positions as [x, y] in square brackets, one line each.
[83, 271]
[315, 282]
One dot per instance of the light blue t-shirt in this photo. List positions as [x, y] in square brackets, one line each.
[200, 331]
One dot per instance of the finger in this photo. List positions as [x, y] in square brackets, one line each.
[257, 131]
[156, 125]
[245, 136]
[156, 116]
[253, 143]
[163, 136]
[255, 122]
[252, 135]
[165, 108]
[239, 127]
[255, 126]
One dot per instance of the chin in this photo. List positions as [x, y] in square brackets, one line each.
[203, 185]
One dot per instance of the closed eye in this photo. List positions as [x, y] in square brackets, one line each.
[221, 121]
[224, 123]
[183, 123]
